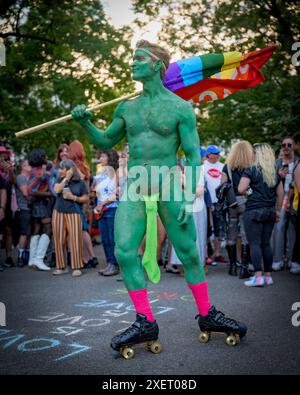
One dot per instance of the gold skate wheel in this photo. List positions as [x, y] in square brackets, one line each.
[154, 347]
[127, 353]
[231, 340]
[204, 337]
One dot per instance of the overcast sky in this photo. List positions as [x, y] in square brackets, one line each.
[120, 12]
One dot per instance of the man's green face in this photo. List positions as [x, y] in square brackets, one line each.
[142, 65]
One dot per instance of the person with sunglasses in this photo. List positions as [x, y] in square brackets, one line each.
[71, 193]
[285, 168]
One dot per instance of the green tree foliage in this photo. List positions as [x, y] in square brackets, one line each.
[266, 112]
[59, 53]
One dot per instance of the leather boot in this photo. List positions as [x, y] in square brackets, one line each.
[244, 272]
[42, 247]
[231, 250]
[34, 242]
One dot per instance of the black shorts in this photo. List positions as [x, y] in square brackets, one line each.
[23, 222]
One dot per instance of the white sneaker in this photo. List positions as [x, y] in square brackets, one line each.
[295, 268]
[58, 272]
[268, 280]
[277, 266]
[255, 282]
[77, 273]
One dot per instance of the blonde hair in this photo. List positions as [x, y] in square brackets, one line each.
[265, 162]
[240, 156]
[162, 53]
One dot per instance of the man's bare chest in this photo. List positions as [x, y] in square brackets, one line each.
[158, 119]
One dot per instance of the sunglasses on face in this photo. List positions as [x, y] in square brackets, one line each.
[288, 145]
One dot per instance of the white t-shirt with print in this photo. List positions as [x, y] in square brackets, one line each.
[199, 201]
[212, 176]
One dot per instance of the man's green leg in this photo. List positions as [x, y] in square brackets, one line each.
[183, 238]
[130, 227]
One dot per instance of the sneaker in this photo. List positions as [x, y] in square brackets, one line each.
[255, 281]
[268, 280]
[107, 267]
[58, 272]
[276, 266]
[295, 268]
[210, 262]
[77, 273]
[111, 271]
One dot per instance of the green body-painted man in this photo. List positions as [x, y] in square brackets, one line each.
[156, 123]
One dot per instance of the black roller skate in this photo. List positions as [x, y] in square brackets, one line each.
[215, 321]
[140, 332]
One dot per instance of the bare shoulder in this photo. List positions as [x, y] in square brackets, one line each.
[185, 109]
[124, 106]
[177, 102]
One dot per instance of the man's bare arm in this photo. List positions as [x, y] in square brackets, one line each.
[103, 139]
[190, 145]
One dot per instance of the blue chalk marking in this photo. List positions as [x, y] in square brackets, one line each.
[164, 309]
[93, 303]
[23, 346]
[14, 338]
[101, 303]
[80, 348]
[4, 331]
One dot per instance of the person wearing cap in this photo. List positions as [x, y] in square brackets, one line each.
[212, 175]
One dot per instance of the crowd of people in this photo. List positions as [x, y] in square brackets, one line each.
[52, 211]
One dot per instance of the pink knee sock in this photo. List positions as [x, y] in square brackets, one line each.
[141, 303]
[200, 293]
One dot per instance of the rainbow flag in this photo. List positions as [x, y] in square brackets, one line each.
[215, 76]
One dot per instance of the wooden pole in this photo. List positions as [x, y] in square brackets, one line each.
[66, 118]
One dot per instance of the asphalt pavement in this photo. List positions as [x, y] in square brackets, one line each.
[63, 325]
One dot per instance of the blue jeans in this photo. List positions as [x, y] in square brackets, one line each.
[107, 227]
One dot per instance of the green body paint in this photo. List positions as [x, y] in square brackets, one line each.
[156, 123]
